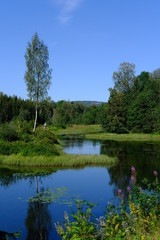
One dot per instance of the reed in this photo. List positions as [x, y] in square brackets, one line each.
[63, 160]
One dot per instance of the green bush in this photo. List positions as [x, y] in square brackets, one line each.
[45, 136]
[27, 149]
[41, 143]
[38, 149]
[26, 137]
[25, 127]
[8, 132]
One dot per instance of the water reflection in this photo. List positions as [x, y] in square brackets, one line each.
[81, 146]
[7, 177]
[9, 236]
[38, 220]
[144, 156]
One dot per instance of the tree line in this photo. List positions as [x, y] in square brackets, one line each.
[60, 114]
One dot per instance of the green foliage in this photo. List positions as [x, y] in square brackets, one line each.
[45, 136]
[83, 226]
[38, 74]
[50, 195]
[27, 144]
[133, 104]
[68, 113]
[37, 149]
[142, 113]
[116, 108]
[60, 114]
[8, 132]
[124, 77]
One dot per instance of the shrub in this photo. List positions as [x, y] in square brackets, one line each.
[42, 143]
[45, 136]
[8, 132]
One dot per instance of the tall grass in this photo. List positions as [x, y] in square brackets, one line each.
[78, 129]
[123, 137]
[63, 160]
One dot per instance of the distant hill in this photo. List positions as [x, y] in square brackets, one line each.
[89, 103]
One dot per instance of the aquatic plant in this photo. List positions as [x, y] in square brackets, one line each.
[57, 195]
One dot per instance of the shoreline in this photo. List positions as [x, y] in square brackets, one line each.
[141, 137]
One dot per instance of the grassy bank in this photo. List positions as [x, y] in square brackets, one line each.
[123, 137]
[77, 129]
[57, 161]
[96, 132]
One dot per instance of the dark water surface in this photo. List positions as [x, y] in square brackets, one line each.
[36, 216]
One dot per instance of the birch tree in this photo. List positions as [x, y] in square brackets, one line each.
[38, 73]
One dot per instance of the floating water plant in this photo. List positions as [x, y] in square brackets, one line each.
[53, 195]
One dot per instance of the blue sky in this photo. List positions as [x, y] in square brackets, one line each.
[87, 40]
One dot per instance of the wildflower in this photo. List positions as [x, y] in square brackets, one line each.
[116, 227]
[68, 228]
[128, 189]
[120, 193]
[155, 173]
[132, 179]
[133, 169]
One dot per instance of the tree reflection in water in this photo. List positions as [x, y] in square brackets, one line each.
[143, 155]
[9, 236]
[38, 220]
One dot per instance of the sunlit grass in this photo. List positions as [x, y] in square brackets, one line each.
[78, 129]
[63, 160]
[96, 132]
[123, 137]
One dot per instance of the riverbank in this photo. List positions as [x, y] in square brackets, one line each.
[96, 132]
[64, 160]
[124, 137]
[77, 129]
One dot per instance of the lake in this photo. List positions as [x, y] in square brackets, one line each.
[32, 203]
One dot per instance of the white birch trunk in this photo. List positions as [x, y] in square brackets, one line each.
[35, 121]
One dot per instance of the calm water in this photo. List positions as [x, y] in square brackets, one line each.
[35, 216]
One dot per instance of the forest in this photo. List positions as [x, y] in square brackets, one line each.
[60, 114]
